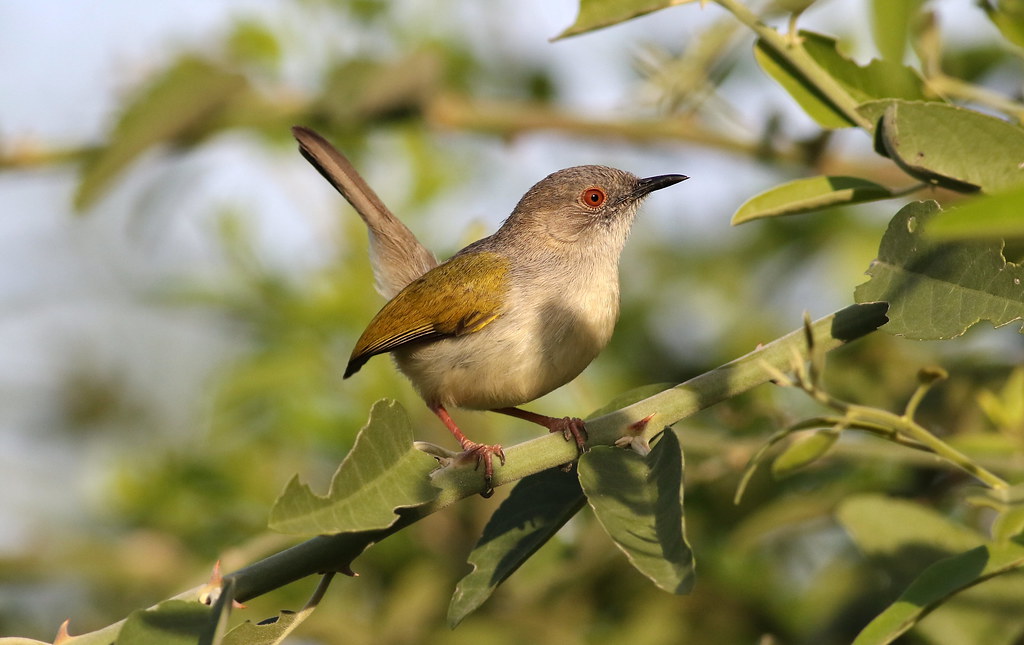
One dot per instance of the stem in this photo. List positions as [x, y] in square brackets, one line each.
[917, 432]
[791, 50]
[957, 88]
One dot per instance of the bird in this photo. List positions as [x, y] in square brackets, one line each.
[511, 316]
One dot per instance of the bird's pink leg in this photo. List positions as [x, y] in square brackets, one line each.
[570, 427]
[483, 453]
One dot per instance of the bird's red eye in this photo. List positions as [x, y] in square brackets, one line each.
[593, 197]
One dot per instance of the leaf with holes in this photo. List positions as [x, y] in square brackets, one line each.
[940, 290]
[172, 622]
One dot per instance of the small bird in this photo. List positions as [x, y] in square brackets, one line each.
[510, 317]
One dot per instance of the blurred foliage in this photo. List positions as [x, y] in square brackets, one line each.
[793, 563]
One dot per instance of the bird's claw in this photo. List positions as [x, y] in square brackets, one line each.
[571, 428]
[484, 453]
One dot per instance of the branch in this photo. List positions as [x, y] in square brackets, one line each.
[510, 118]
[335, 552]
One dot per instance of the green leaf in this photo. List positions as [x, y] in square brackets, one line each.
[174, 106]
[1008, 503]
[596, 14]
[382, 473]
[536, 508]
[172, 622]
[906, 539]
[803, 91]
[986, 216]
[952, 146]
[940, 290]
[804, 451]
[890, 24]
[885, 527]
[639, 502]
[937, 584]
[810, 194]
[270, 631]
[877, 80]
[252, 42]
[1008, 17]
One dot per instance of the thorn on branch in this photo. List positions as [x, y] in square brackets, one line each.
[62, 633]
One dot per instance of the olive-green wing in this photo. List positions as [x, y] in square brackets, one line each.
[458, 297]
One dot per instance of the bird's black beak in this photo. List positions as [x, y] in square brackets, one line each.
[651, 184]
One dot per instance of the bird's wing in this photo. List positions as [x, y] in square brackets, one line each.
[458, 297]
[396, 255]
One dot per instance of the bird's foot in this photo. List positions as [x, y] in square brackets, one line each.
[571, 428]
[484, 454]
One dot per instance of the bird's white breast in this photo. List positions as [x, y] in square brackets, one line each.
[557, 328]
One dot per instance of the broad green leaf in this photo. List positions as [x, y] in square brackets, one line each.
[804, 92]
[382, 473]
[952, 146]
[804, 451]
[986, 216]
[639, 502]
[809, 194]
[937, 584]
[938, 291]
[890, 24]
[877, 80]
[536, 508]
[886, 527]
[1008, 17]
[173, 107]
[596, 14]
[172, 622]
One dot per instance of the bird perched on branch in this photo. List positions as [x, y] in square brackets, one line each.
[510, 317]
